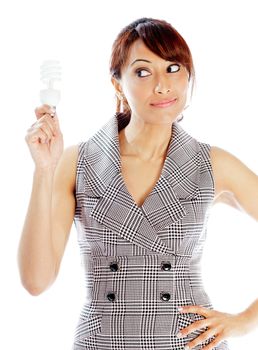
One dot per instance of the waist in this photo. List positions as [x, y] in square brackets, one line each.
[146, 280]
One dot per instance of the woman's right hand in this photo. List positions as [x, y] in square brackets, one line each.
[45, 139]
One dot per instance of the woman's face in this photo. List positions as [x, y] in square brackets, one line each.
[144, 84]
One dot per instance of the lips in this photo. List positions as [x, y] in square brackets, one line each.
[164, 102]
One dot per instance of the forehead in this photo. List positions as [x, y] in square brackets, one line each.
[140, 50]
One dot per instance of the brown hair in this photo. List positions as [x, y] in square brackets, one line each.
[161, 38]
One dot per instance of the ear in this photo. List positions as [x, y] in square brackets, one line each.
[116, 85]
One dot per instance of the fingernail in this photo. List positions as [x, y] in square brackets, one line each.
[180, 309]
[52, 111]
[179, 335]
[186, 347]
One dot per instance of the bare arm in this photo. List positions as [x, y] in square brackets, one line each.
[47, 224]
[235, 184]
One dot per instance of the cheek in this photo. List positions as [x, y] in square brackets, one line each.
[135, 94]
[184, 84]
[185, 88]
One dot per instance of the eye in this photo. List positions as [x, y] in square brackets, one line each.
[138, 71]
[174, 67]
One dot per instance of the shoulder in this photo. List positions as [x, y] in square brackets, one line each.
[70, 155]
[227, 168]
[224, 166]
[67, 166]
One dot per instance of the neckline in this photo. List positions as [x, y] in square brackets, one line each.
[162, 173]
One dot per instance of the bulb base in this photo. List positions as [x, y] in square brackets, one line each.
[50, 97]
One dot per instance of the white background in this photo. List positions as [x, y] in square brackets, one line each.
[222, 36]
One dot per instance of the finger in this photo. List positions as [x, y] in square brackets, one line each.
[201, 338]
[214, 343]
[45, 128]
[41, 110]
[46, 119]
[56, 124]
[53, 111]
[50, 122]
[36, 136]
[197, 309]
[197, 325]
[41, 113]
[54, 121]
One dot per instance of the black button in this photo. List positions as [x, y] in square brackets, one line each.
[166, 266]
[111, 296]
[113, 266]
[164, 296]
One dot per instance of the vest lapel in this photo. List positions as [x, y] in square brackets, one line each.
[116, 208]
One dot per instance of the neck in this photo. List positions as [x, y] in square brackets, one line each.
[146, 141]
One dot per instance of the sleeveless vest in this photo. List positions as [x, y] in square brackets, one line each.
[141, 263]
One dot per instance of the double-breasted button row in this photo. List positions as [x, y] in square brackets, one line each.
[113, 267]
[165, 266]
[163, 296]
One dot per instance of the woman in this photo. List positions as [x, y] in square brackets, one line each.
[139, 191]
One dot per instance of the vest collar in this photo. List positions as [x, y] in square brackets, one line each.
[163, 206]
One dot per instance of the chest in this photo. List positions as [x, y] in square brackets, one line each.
[140, 177]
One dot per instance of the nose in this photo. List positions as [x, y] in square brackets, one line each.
[162, 87]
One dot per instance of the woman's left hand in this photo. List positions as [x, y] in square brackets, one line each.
[222, 325]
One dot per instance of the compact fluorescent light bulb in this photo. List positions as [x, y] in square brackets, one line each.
[50, 71]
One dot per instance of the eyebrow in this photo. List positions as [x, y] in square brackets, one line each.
[140, 59]
[144, 60]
